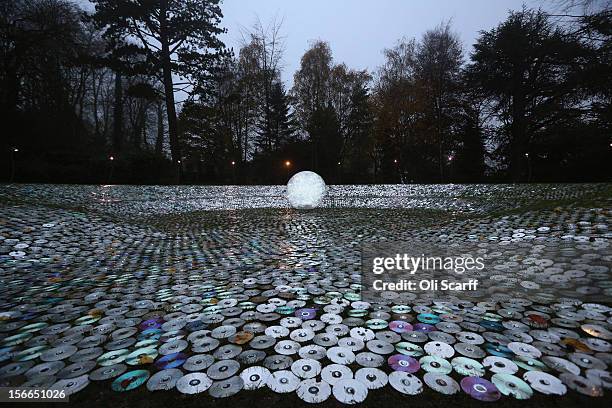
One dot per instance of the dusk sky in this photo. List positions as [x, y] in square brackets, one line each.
[358, 30]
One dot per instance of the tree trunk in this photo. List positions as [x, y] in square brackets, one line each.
[159, 142]
[518, 134]
[118, 115]
[175, 148]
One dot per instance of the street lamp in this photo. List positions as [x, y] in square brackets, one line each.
[111, 159]
[12, 174]
[528, 167]
[287, 163]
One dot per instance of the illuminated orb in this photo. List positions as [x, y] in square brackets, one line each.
[305, 189]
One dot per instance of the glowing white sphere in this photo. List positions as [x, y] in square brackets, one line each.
[305, 189]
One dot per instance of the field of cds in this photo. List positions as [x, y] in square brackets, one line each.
[158, 296]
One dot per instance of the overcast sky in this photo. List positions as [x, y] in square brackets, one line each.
[358, 30]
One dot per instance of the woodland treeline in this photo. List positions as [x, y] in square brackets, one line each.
[146, 92]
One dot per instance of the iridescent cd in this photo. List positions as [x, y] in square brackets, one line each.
[113, 357]
[435, 364]
[399, 326]
[130, 380]
[480, 389]
[467, 367]
[508, 384]
[400, 362]
[173, 360]
[427, 318]
[141, 356]
[409, 349]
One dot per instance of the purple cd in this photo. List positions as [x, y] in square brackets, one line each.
[151, 324]
[480, 389]
[306, 314]
[171, 361]
[400, 362]
[424, 327]
[400, 326]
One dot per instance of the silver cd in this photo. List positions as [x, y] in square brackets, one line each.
[469, 350]
[372, 378]
[405, 383]
[439, 349]
[313, 391]
[254, 377]
[441, 383]
[71, 385]
[226, 388]
[223, 369]
[198, 362]
[306, 368]
[283, 381]
[545, 383]
[277, 362]
[351, 343]
[497, 364]
[76, 369]
[349, 391]
[193, 383]
[164, 379]
[367, 359]
[49, 368]
[107, 372]
[287, 347]
[312, 351]
[335, 372]
[340, 355]
[582, 385]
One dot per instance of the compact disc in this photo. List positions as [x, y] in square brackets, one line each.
[508, 384]
[441, 383]
[130, 380]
